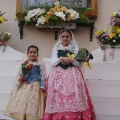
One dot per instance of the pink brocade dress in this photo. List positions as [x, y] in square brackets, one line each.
[67, 96]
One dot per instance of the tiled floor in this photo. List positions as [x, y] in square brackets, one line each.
[3, 117]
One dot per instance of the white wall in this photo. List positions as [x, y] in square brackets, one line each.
[103, 81]
[45, 39]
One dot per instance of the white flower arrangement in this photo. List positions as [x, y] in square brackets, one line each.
[4, 37]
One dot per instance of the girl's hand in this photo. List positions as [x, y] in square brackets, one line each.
[42, 89]
[66, 60]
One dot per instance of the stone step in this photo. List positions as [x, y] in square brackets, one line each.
[103, 105]
[6, 83]
[107, 117]
[104, 88]
[103, 71]
[106, 105]
[9, 67]
[10, 53]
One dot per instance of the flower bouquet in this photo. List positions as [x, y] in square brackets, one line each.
[2, 19]
[50, 15]
[25, 68]
[102, 37]
[4, 37]
[111, 39]
[115, 19]
[83, 55]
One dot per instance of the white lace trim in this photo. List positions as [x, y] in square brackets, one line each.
[70, 47]
[66, 92]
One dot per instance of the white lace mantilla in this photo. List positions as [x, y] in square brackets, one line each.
[70, 48]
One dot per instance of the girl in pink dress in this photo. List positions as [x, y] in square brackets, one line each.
[67, 93]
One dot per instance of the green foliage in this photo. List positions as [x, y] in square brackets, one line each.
[83, 55]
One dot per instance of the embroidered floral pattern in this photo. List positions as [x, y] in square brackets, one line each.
[26, 98]
[68, 93]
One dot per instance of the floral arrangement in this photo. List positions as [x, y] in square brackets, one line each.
[115, 19]
[102, 36]
[50, 16]
[83, 55]
[4, 37]
[2, 19]
[25, 68]
[113, 37]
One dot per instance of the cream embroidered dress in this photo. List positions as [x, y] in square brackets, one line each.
[27, 102]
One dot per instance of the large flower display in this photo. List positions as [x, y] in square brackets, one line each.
[51, 15]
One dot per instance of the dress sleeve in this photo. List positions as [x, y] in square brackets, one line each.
[42, 81]
[42, 85]
[55, 60]
[75, 63]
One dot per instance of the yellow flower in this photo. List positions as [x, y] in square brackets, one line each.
[113, 27]
[113, 14]
[69, 17]
[118, 30]
[57, 8]
[87, 64]
[64, 9]
[111, 35]
[70, 56]
[1, 19]
[47, 16]
[99, 32]
[52, 11]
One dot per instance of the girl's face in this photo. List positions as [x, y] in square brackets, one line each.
[66, 38]
[32, 54]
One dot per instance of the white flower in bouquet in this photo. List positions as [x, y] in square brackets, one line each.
[118, 13]
[60, 14]
[57, 3]
[33, 13]
[26, 18]
[41, 20]
[114, 41]
[7, 36]
[73, 13]
[118, 35]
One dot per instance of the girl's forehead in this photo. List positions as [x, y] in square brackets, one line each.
[32, 49]
[65, 33]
